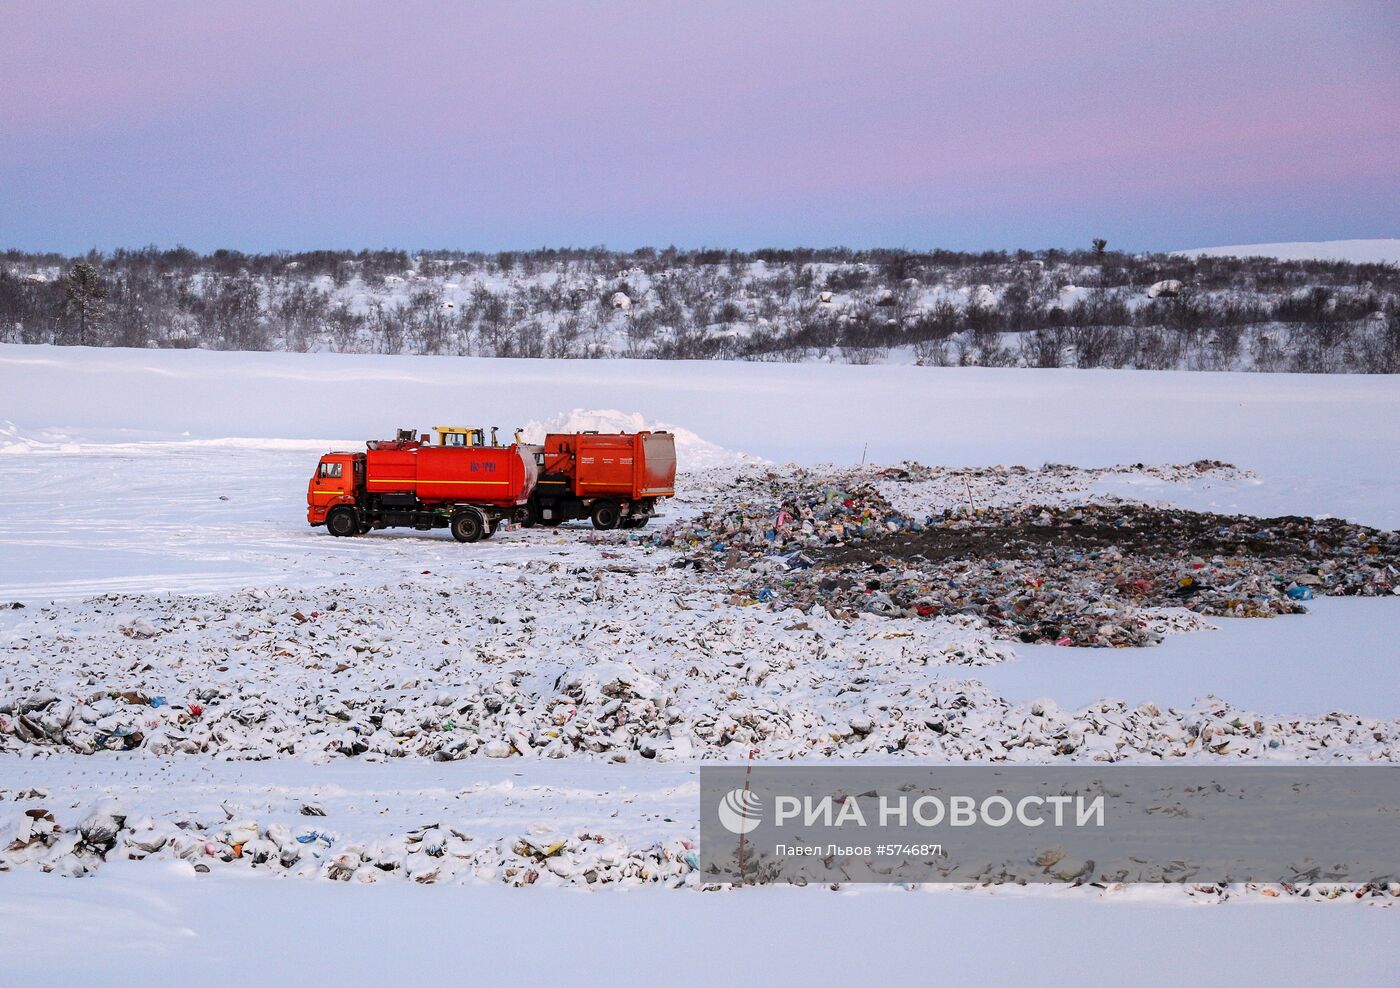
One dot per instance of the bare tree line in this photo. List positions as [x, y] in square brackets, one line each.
[1087, 308]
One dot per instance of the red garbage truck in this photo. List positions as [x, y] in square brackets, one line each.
[461, 484]
[616, 479]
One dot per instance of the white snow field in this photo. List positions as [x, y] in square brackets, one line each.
[1382, 251]
[152, 523]
[162, 922]
[1321, 444]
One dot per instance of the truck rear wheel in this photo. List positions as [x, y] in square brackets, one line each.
[527, 516]
[342, 522]
[468, 526]
[636, 521]
[491, 529]
[605, 515]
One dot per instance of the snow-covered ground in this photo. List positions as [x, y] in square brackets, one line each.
[1320, 444]
[1382, 251]
[173, 483]
[1332, 660]
[162, 921]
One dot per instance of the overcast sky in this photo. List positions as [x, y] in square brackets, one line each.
[278, 124]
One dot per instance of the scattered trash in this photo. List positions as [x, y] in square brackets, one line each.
[879, 589]
[432, 854]
[136, 627]
[808, 604]
[1080, 574]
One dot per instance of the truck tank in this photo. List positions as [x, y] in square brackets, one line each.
[503, 476]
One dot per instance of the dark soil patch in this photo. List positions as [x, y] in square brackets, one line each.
[1144, 532]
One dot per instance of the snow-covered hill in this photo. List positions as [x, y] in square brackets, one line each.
[1053, 308]
[1382, 251]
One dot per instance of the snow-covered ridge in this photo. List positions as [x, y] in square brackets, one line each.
[1382, 251]
[1059, 308]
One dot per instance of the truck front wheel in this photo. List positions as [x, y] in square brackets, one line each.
[468, 526]
[342, 522]
[605, 515]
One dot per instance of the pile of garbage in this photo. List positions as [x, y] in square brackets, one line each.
[705, 680]
[438, 852]
[612, 663]
[1058, 478]
[918, 490]
[443, 852]
[777, 515]
[1098, 574]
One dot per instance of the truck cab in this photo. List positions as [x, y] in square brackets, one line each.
[338, 476]
[461, 437]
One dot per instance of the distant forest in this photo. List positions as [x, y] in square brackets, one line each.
[1090, 308]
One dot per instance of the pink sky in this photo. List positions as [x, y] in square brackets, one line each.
[266, 125]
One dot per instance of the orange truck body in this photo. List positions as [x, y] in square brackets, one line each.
[494, 475]
[625, 465]
[614, 478]
[407, 483]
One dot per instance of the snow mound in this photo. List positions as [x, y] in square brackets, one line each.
[692, 452]
[13, 441]
[1356, 251]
